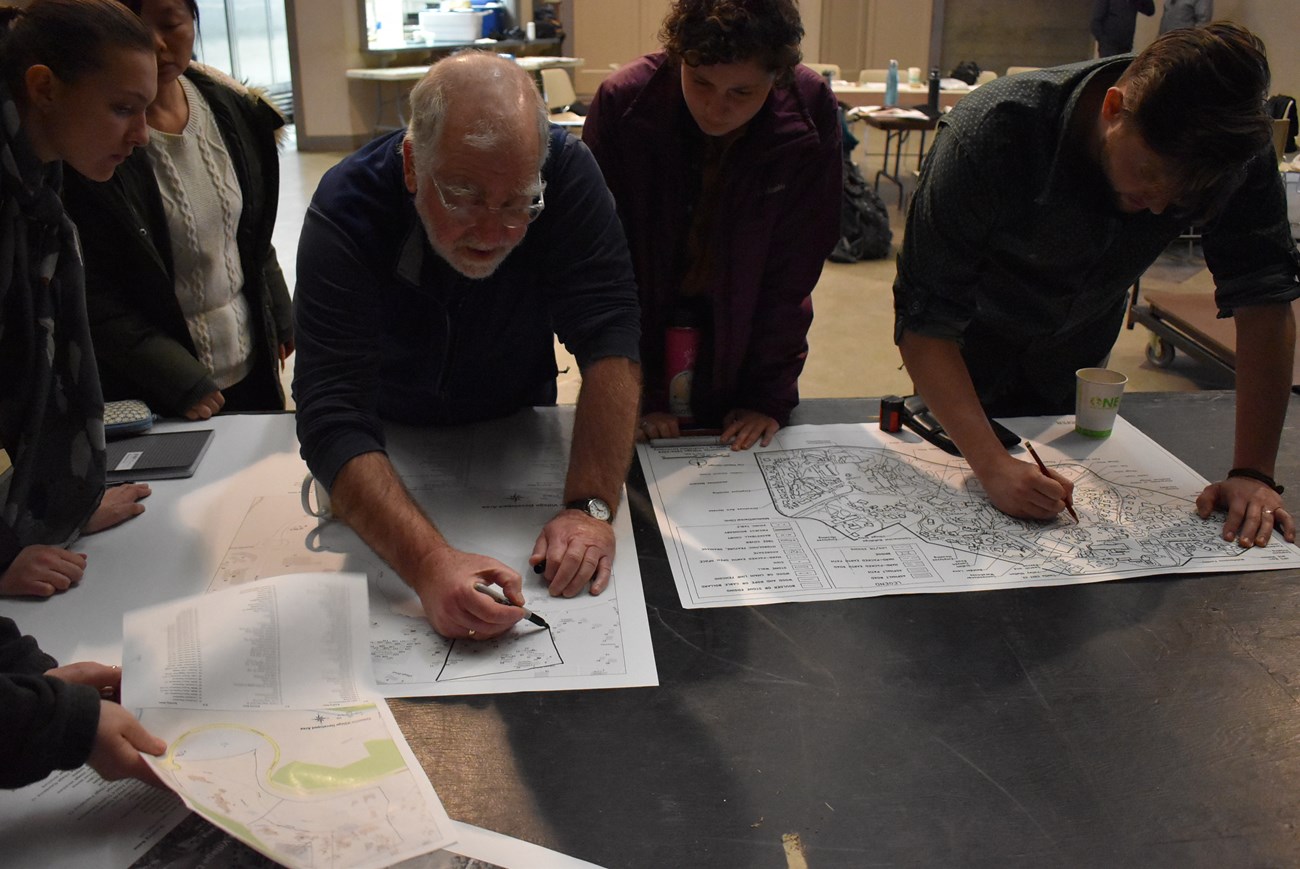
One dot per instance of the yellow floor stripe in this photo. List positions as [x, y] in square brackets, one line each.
[794, 858]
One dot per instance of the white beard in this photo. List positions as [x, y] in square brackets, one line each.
[475, 269]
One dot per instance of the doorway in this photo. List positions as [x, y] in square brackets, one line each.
[250, 40]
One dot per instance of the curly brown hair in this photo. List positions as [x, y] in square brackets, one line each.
[705, 32]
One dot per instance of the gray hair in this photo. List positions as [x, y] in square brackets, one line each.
[492, 80]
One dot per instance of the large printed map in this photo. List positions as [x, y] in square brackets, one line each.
[340, 801]
[273, 730]
[848, 511]
[490, 491]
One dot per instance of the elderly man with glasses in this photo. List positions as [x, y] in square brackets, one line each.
[432, 268]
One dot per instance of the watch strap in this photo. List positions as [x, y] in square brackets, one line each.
[1252, 474]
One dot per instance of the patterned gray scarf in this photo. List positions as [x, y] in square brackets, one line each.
[51, 406]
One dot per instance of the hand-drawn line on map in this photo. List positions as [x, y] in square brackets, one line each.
[485, 648]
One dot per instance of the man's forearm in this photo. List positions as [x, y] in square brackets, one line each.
[369, 497]
[603, 430]
[939, 374]
[1265, 355]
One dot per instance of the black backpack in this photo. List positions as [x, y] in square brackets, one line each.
[864, 221]
[968, 71]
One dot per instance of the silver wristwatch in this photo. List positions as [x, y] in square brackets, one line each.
[594, 507]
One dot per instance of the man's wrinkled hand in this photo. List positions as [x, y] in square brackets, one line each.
[454, 608]
[578, 550]
[1254, 511]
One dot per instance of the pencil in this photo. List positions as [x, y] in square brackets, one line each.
[1042, 467]
[500, 598]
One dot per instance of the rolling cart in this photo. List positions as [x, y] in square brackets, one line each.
[1189, 322]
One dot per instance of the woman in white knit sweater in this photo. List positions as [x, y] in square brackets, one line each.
[209, 326]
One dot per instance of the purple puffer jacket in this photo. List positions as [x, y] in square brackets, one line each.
[779, 216]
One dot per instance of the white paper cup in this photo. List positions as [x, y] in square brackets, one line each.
[1096, 401]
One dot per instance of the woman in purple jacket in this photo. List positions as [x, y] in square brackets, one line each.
[723, 154]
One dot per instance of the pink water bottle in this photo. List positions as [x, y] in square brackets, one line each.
[681, 348]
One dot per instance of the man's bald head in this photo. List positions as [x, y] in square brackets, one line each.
[478, 100]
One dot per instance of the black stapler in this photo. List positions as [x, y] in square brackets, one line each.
[916, 415]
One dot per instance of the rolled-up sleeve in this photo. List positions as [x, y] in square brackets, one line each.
[942, 258]
[1248, 247]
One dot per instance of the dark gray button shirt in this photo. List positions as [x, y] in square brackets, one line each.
[1014, 249]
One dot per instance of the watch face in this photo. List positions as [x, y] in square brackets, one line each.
[593, 507]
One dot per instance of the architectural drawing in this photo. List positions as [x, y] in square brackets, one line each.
[591, 643]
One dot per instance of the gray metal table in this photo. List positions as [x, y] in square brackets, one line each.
[1144, 722]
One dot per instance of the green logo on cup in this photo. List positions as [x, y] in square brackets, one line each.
[1097, 396]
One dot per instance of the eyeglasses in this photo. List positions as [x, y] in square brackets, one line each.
[511, 216]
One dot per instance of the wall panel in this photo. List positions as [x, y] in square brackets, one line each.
[1001, 33]
[898, 30]
[325, 40]
[1273, 21]
[869, 33]
[607, 34]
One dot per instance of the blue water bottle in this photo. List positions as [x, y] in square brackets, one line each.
[891, 84]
